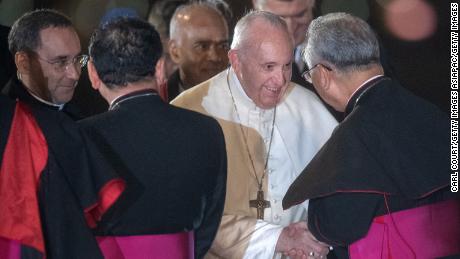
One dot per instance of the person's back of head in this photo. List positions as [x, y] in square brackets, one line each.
[125, 51]
[343, 41]
[198, 42]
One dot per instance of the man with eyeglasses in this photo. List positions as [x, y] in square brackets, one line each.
[380, 186]
[49, 62]
[52, 196]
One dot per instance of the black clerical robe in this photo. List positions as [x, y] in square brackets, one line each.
[16, 90]
[69, 185]
[174, 163]
[391, 153]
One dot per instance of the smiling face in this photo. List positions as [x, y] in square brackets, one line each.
[264, 67]
[200, 49]
[48, 81]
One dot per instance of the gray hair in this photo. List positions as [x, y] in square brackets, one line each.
[242, 28]
[342, 40]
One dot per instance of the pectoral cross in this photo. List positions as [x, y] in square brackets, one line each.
[260, 204]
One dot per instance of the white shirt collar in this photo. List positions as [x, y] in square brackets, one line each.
[59, 106]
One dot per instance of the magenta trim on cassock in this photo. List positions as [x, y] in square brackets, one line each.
[429, 231]
[171, 246]
[9, 249]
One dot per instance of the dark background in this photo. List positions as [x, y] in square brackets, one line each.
[422, 66]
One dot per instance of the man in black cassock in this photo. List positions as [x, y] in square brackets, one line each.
[68, 180]
[173, 160]
[380, 186]
[48, 57]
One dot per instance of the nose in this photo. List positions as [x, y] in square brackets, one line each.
[73, 71]
[280, 77]
[214, 54]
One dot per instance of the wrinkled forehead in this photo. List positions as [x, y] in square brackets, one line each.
[273, 45]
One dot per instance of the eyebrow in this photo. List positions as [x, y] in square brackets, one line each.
[63, 57]
[211, 41]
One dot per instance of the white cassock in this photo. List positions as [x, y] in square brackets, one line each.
[302, 126]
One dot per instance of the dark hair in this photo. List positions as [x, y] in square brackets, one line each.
[125, 51]
[25, 32]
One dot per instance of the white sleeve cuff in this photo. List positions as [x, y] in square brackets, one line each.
[263, 240]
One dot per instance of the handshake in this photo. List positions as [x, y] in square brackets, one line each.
[296, 241]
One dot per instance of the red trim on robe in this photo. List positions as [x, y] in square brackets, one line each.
[109, 193]
[25, 157]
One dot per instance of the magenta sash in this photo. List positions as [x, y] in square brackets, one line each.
[171, 246]
[9, 249]
[429, 231]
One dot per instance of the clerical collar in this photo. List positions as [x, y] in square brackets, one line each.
[132, 95]
[59, 107]
[361, 91]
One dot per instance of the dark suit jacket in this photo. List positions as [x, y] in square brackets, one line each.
[174, 162]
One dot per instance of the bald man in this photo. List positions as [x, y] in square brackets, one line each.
[198, 44]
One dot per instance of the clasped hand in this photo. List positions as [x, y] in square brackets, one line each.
[296, 241]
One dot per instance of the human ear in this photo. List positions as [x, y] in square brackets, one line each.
[160, 75]
[174, 51]
[94, 76]
[234, 60]
[22, 61]
[324, 78]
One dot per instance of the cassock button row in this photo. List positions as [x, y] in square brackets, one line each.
[270, 171]
[277, 217]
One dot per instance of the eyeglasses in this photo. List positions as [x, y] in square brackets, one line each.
[307, 74]
[62, 65]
